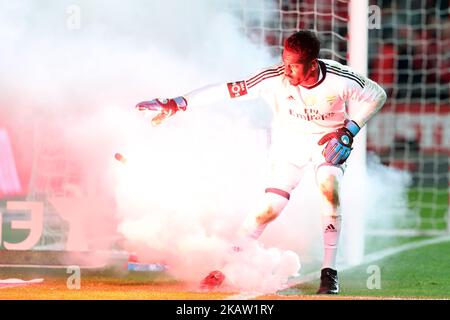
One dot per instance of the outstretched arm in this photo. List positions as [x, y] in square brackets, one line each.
[210, 94]
[203, 96]
[219, 92]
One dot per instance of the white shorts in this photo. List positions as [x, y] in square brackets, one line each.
[288, 162]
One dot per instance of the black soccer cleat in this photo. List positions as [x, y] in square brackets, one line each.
[328, 282]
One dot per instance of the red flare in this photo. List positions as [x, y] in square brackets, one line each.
[120, 157]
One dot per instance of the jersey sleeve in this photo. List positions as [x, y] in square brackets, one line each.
[251, 88]
[368, 95]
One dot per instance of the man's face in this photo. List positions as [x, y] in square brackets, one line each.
[297, 72]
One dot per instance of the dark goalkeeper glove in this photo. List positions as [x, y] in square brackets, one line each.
[166, 108]
[339, 143]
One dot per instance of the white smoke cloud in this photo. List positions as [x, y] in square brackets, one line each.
[386, 184]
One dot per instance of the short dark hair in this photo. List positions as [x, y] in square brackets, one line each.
[304, 42]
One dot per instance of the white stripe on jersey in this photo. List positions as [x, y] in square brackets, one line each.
[345, 74]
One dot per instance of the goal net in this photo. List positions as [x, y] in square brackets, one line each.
[409, 57]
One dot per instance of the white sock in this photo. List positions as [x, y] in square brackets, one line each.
[331, 231]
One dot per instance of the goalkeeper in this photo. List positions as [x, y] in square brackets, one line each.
[311, 124]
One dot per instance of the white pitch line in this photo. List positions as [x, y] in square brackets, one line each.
[405, 247]
[11, 283]
[367, 259]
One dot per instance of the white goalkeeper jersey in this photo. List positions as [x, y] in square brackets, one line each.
[318, 109]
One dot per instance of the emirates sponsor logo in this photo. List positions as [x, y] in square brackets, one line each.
[311, 115]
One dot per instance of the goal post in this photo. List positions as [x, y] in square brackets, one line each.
[409, 57]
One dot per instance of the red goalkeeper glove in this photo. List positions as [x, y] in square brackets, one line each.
[166, 108]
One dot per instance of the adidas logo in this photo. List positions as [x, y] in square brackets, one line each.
[330, 228]
[290, 98]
